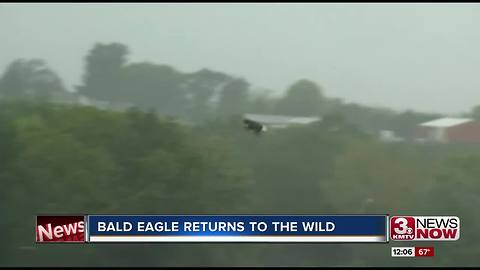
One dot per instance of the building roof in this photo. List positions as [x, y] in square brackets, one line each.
[446, 122]
[268, 119]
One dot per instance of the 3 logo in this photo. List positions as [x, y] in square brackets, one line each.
[424, 228]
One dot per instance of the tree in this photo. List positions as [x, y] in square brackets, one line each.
[261, 102]
[234, 97]
[303, 98]
[29, 79]
[404, 123]
[200, 87]
[104, 69]
[475, 112]
[84, 160]
[152, 86]
[453, 192]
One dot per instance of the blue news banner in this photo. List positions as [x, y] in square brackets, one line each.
[237, 228]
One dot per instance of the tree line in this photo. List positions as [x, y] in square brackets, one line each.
[60, 158]
[195, 97]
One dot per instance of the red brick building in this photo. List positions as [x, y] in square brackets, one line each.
[449, 130]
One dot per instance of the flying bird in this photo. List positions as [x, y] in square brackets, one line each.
[254, 126]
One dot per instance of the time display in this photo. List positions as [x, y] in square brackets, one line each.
[403, 252]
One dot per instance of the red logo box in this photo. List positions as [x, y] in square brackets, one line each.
[402, 228]
[424, 251]
[424, 228]
[60, 229]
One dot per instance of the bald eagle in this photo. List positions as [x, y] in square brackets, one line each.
[254, 126]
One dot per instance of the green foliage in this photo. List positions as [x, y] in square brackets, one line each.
[234, 97]
[181, 149]
[29, 79]
[475, 112]
[303, 98]
[201, 86]
[149, 86]
[82, 160]
[260, 103]
[103, 73]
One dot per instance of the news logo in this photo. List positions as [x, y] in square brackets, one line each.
[424, 228]
[60, 229]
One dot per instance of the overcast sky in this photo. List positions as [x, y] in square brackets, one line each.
[404, 56]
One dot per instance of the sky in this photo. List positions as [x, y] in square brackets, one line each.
[424, 57]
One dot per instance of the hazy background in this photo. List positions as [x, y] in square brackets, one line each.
[404, 56]
[155, 126]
